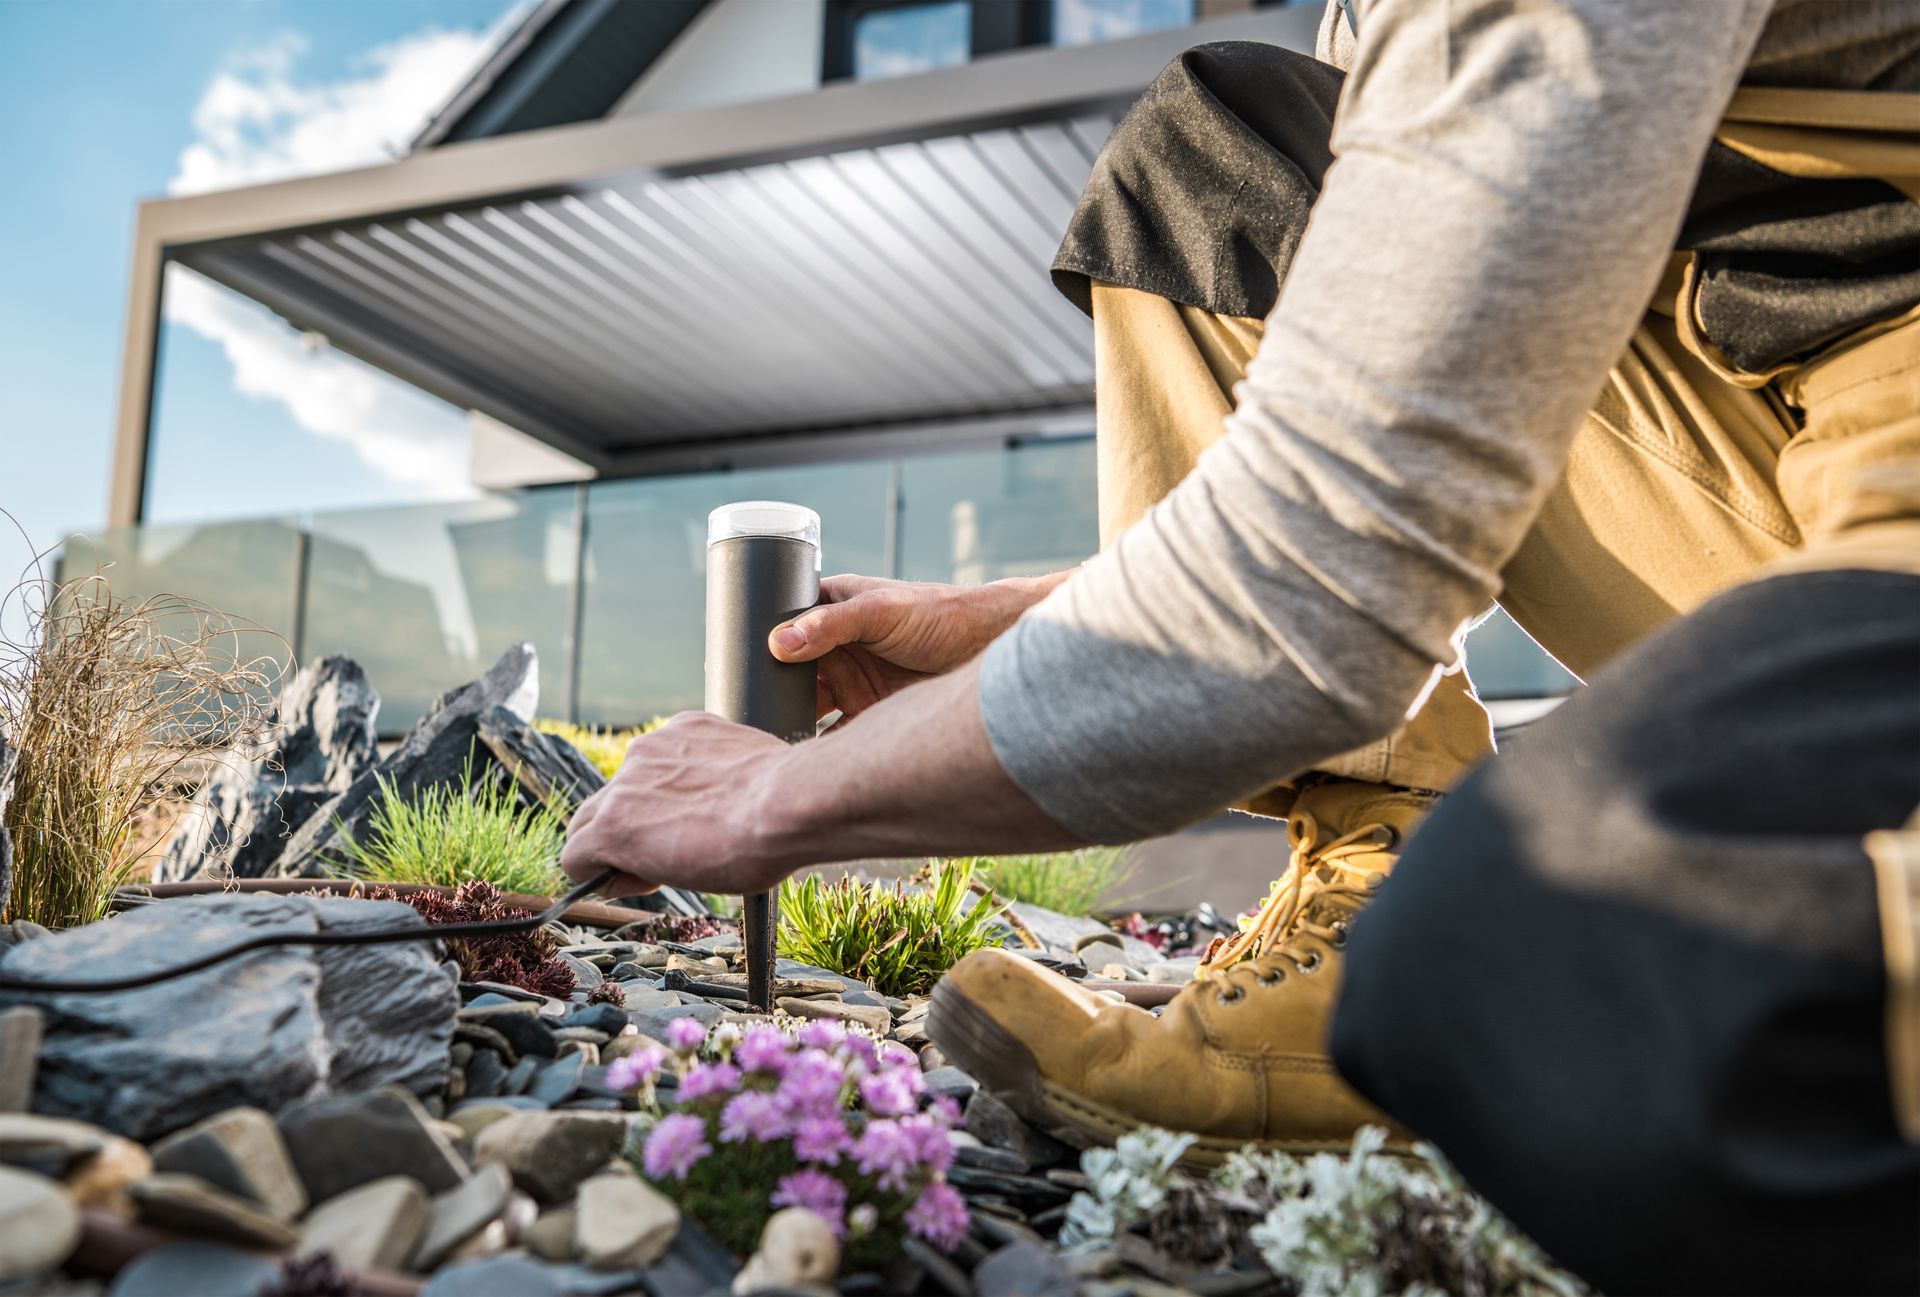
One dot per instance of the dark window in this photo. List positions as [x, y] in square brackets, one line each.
[1082, 22]
[904, 39]
[871, 39]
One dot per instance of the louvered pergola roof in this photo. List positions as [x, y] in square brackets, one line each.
[638, 291]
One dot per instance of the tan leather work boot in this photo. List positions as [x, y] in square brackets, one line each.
[1240, 1056]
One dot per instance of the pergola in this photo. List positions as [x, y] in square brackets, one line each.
[786, 278]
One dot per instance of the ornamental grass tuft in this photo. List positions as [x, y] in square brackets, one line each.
[109, 704]
[819, 1117]
[1066, 882]
[604, 746]
[455, 833]
[898, 939]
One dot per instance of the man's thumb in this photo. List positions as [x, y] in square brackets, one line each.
[814, 634]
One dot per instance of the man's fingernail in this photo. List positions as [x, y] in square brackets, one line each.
[790, 638]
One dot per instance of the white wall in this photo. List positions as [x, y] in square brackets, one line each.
[736, 50]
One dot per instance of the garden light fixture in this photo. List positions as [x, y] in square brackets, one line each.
[763, 567]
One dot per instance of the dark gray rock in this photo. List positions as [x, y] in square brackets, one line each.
[1024, 1269]
[436, 751]
[344, 1141]
[498, 1275]
[265, 1029]
[476, 1037]
[989, 1159]
[695, 1263]
[528, 1033]
[12, 934]
[520, 1076]
[204, 1269]
[653, 1022]
[610, 1018]
[1029, 1191]
[241, 817]
[558, 1080]
[995, 1124]
[585, 976]
[952, 1082]
[550, 1153]
[458, 1214]
[486, 1075]
[549, 768]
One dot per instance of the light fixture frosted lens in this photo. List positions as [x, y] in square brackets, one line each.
[764, 518]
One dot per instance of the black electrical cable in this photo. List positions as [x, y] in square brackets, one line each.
[375, 937]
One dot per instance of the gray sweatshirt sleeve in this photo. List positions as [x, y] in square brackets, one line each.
[1508, 184]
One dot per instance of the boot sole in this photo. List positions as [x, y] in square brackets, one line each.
[982, 1048]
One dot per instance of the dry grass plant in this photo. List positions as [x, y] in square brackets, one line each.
[110, 702]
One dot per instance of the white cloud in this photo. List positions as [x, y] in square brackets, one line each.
[257, 122]
[401, 433]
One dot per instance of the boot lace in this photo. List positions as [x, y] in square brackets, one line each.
[1315, 870]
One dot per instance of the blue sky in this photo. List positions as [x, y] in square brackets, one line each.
[106, 102]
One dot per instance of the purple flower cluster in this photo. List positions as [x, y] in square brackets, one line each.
[848, 1108]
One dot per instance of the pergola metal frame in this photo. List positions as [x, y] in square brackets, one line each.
[1006, 91]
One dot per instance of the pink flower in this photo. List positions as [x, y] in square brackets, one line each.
[945, 1108]
[862, 1051]
[939, 1215]
[812, 1085]
[674, 1145]
[818, 1192]
[704, 1080]
[762, 1050]
[821, 1139]
[884, 1152]
[636, 1069]
[754, 1115]
[686, 1035]
[895, 1055]
[823, 1035]
[926, 1138]
[892, 1093]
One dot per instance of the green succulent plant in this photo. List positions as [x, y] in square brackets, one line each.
[897, 938]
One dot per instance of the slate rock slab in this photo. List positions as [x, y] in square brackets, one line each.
[203, 1269]
[550, 1153]
[344, 1141]
[323, 740]
[241, 1151]
[192, 1206]
[436, 751]
[263, 1030]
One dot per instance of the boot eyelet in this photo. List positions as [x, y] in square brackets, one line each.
[1339, 929]
[1311, 964]
[1274, 978]
[1231, 995]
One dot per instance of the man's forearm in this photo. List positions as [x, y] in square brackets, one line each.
[915, 775]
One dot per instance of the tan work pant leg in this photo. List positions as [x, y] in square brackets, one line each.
[1668, 499]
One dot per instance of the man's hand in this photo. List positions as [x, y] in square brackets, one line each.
[874, 637]
[674, 812]
[711, 806]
